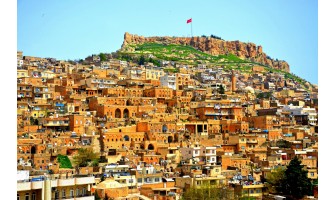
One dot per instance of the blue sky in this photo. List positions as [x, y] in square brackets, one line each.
[287, 30]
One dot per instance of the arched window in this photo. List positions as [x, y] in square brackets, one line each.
[165, 128]
[27, 197]
[126, 113]
[151, 147]
[117, 113]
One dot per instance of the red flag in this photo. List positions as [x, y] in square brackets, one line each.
[189, 21]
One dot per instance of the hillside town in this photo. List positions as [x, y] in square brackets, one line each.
[116, 129]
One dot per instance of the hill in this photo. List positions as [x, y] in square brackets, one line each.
[206, 49]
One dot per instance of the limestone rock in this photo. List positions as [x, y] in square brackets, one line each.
[212, 46]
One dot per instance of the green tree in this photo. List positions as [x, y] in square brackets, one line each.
[221, 89]
[142, 60]
[103, 57]
[32, 120]
[85, 156]
[296, 182]
[205, 192]
[283, 144]
[275, 180]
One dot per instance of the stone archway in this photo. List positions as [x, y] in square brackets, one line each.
[117, 113]
[126, 113]
[151, 147]
[165, 128]
[33, 150]
[170, 139]
[129, 103]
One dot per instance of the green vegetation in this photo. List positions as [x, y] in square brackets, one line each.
[182, 54]
[264, 95]
[207, 192]
[86, 157]
[290, 181]
[172, 70]
[275, 180]
[142, 60]
[283, 144]
[103, 57]
[64, 161]
[221, 89]
[296, 182]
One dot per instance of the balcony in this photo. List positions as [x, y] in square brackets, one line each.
[22, 186]
[252, 142]
[66, 182]
[55, 124]
[37, 185]
[84, 197]
[217, 113]
[84, 180]
[253, 186]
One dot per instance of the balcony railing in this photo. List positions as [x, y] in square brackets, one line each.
[79, 197]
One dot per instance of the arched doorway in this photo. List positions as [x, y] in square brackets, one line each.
[165, 128]
[126, 113]
[151, 147]
[117, 113]
[33, 150]
[170, 139]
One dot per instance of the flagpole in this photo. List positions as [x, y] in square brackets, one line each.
[191, 29]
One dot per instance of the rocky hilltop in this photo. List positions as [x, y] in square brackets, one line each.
[212, 46]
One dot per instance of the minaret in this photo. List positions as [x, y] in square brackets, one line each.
[233, 81]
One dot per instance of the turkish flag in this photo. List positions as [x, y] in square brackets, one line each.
[189, 21]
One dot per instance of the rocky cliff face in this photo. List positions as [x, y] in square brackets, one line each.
[213, 46]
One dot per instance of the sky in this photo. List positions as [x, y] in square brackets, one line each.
[75, 29]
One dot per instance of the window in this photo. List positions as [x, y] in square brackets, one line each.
[27, 196]
[18, 197]
[33, 196]
[63, 193]
[156, 179]
[139, 180]
[84, 191]
[312, 174]
[56, 194]
[71, 193]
